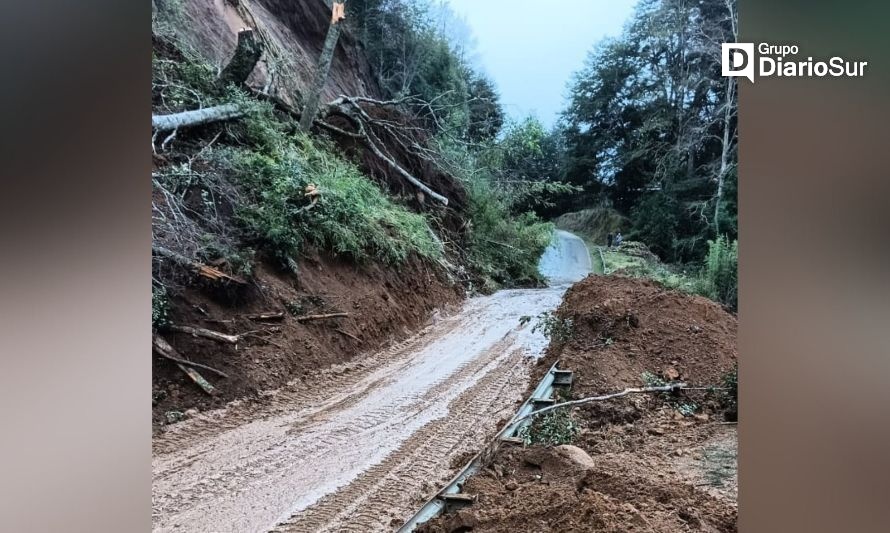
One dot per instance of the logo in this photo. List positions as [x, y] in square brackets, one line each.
[738, 59]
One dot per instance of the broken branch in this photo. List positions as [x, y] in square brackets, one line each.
[265, 316]
[642, 390]
[198, 268]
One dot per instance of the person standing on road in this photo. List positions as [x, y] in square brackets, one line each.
[609, 239]
[618, 239]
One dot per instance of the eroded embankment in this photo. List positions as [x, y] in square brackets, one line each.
[383, 306]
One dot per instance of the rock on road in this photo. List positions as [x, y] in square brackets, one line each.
[360, 446]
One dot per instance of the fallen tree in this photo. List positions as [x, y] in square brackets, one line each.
[350, 108]
[196, 117]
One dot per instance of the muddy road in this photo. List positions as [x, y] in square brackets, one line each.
[358, 447]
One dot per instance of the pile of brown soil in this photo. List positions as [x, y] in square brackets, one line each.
[625, 326]
[637, 463]
[384, 306]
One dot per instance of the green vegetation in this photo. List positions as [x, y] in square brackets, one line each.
[348, 215]
[502, 246]
[634, 259]
[559, 330]
[719, 277]
[644, 128]
[551, 429]
[683, 405]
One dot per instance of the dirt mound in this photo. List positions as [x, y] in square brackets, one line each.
[384, 306]
[623, 327]
[638, 463]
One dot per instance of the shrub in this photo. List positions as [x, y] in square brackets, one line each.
[502, 247]
[557, 329]
[719, 277]
[352, 216]
[552, 429]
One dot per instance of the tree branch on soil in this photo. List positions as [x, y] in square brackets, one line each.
[642, 390]
[166, 351]
[163, 348]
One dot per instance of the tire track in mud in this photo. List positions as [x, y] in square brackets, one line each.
[284, 456]
[386, 494]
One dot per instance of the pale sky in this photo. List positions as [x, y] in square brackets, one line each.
[530, 48]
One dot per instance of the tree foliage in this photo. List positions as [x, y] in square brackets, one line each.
[645, 125]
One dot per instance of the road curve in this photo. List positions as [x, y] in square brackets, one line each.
[358, 447]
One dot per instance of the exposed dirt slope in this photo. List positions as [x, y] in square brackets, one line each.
[296, 30]
[384, 305]
[637, 464]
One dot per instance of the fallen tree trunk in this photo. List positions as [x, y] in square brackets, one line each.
[207, 334]
[196, 117]
[247, 55]
[642, 390]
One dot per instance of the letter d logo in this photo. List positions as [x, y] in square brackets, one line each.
[738, 60]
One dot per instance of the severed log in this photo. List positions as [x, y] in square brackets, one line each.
[166, 351]
[207, 334]
[247, 54]
[198, 268]
[196, 117]
[306, 318]
[164, 348]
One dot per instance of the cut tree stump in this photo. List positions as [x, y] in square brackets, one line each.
[247, 54]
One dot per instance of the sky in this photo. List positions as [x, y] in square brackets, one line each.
[530, 48]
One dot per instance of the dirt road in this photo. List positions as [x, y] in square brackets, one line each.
[358, 447]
